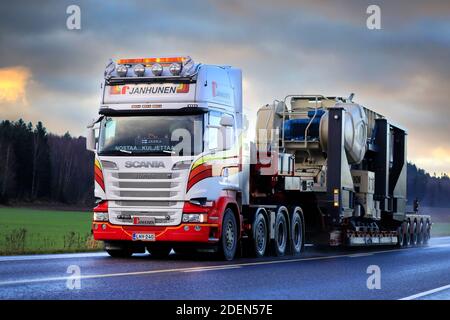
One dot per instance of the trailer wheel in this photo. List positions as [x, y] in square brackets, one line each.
[407, 234]
[401, 235]
[427, 234]
[296, 233]
[260, 236]
[281, 233]
[228, 242]
[414, 233]
[420, 236]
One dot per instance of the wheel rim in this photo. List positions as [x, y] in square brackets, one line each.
[261, 238]
[229, 235]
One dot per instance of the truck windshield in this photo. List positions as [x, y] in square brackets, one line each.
[151, 135]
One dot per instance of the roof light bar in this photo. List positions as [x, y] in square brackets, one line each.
[152, 60]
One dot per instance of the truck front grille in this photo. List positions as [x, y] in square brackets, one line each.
[158, 195]
[145, 186]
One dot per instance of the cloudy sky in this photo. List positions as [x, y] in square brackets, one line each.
[53, 74]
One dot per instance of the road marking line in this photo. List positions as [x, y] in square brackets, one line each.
[357, 255]
[149, 272]
[212, 269]
[426, 293]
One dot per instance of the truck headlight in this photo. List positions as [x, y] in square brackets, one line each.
[101, 216]
[194, 217]
[175, 69]
[139, 70]
[122, 70]
[157, 69]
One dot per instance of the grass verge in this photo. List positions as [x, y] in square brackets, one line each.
[29, 231]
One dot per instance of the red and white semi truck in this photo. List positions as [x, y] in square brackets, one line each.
[173, 169]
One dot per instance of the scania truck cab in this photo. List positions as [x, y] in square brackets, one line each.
[167, 161]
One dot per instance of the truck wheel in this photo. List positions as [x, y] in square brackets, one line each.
[119, 253]
[228, 242]
[281, 234]
[260, 236]
[414, 234]
[296, 233]
[159, 252]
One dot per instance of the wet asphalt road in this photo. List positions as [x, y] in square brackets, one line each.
[415, 273]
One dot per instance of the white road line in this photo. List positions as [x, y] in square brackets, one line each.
[357, 255]
[202, 268]
[212, 269]
[426, 293]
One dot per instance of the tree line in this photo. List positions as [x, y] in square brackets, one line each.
[36, 166]
[39, 166]
[430, 190]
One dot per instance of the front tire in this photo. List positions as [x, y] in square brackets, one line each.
[229, 238]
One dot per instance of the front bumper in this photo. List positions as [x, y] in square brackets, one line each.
[185, 232]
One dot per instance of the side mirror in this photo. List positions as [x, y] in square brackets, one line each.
[90, 135]
[227, 121]
[90, 139]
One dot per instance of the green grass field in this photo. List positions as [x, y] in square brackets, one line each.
[28, 231]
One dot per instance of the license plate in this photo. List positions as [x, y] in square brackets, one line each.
[144, 220]
[144, 237]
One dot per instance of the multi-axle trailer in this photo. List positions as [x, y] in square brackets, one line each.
[173, 169]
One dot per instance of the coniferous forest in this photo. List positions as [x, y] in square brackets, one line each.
[39, 167]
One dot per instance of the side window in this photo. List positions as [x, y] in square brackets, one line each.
[213, 129]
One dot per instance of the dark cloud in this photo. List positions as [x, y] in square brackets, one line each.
[283, 47]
